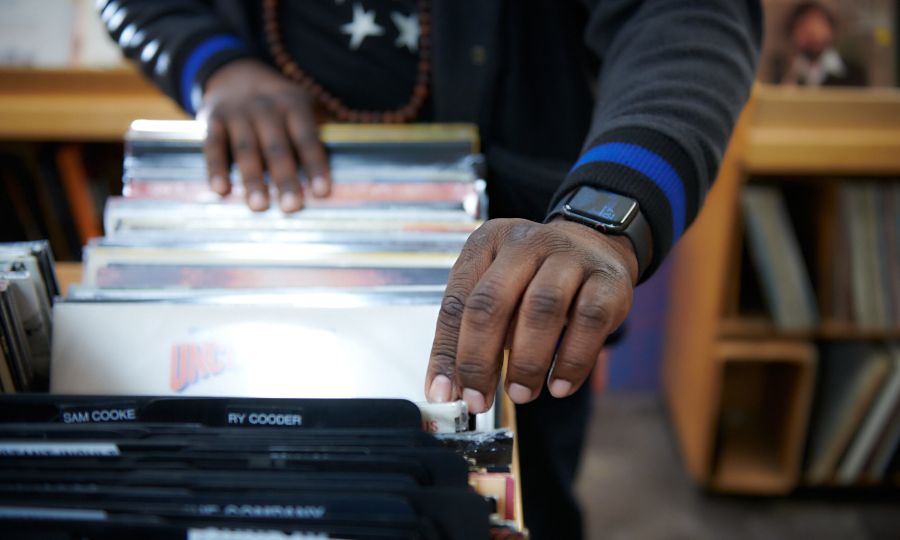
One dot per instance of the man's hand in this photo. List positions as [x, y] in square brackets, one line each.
[528, 281]
[267, 123]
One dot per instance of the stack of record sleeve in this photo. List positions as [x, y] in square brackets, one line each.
[189, 293]
[217, 468]
[251, 325]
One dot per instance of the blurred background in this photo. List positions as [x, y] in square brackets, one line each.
[757, 391]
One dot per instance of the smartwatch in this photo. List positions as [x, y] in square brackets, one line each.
[609, 213]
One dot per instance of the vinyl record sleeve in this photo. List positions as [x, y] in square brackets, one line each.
[241, 350]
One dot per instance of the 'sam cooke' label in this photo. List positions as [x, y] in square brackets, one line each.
[60, 449]
[292, 419]
[92, 415]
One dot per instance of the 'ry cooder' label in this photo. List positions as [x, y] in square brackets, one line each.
[264, 418]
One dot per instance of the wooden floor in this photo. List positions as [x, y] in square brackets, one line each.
[632, 486]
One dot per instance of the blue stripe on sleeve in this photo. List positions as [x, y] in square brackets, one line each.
[650, 165]
[201, 54]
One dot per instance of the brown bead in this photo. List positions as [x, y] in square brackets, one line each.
[330, 103]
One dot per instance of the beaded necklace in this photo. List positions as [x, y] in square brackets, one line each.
[332, 104]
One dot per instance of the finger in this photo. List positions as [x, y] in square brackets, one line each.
[215, 152]
[279, 156]
[305, 136]
[486, 319]
[538, 326]
[245, 149]
[473, 261]
[601, 306]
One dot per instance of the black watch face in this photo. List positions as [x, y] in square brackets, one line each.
[606, 208]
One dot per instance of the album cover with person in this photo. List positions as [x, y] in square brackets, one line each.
[818, 43]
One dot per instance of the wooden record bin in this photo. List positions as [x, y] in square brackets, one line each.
[739, 388]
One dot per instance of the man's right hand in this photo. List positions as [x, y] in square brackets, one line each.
[267, 123]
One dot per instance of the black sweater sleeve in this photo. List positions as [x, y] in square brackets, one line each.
[177, 43]
[674, 77]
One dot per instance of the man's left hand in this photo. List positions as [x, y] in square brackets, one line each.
[528, 281]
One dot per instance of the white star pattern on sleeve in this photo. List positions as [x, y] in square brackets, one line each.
[408, 26]
[363, 26]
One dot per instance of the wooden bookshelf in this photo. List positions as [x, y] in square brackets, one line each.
[716, 355]
[822, 131]
[77, 105]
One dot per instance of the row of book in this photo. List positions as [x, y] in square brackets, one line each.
[855, 426]
[214, 468]
[855, 255]
[865, 283]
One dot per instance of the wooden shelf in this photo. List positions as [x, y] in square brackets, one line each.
[764, 328]
[737, 392]
[823, 131]
[77, 105]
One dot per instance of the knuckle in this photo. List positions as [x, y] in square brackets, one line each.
[215, 163]
[452, 308]
[521, 230]
[261, 103]
[473, 370]
[527, 370]
[609, 272]
[483, 305]
[573, 364]
[277, 149]
[592, 315]
[287, 183]
[543, 303]
[443, 356]
[309, 136]
[244, 145]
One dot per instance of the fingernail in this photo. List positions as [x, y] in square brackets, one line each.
[290, 202]
[474, 400]
[257, 201]
[319, 186]
[439, 391]
[518, 393]
[560, 388]
[218, 184]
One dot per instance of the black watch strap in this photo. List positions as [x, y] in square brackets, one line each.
[622, 216]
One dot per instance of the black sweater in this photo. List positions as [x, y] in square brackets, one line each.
[637, 97]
